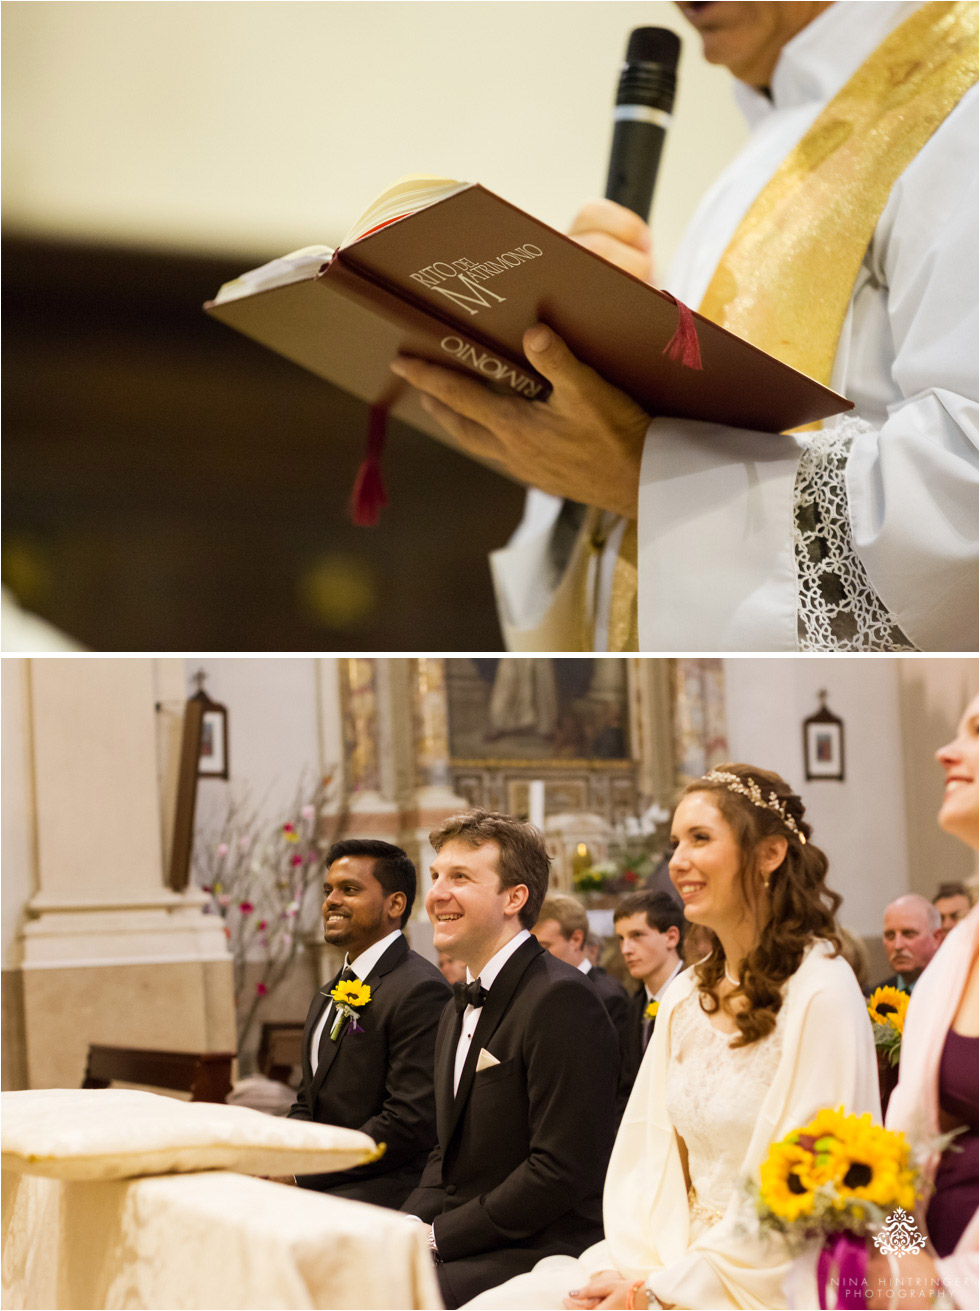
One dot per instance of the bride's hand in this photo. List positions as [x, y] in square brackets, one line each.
[606, 1289]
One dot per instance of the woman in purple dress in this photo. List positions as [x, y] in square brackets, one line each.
[937, 1088]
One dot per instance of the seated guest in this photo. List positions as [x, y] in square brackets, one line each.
[378, 1080]
[953, 903]
[855, 953]
[562, 929]
[525, 1070]
[649, 926]
[911, 937]
[937, 1084]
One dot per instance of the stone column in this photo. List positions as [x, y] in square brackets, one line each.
[368, 753]
[432, 797]
[109, 953]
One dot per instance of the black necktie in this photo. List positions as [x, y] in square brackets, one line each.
[346, 975]
[468, 994]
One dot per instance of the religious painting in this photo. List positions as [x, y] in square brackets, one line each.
[517, 708]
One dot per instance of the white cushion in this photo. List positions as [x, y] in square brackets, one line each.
[116, 1133]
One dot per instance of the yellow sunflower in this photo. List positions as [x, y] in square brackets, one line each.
[785, 1179]
[888, 1006]
[877, 1168]
[651, 1011]
[353, 992]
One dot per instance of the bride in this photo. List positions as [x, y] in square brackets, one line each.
[760, 1034]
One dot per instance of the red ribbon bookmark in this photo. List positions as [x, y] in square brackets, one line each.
[684, 346]
[369, 497]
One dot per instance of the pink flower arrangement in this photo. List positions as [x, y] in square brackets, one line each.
[296, 859]
[246, 907]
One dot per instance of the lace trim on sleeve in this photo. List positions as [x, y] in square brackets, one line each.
[837, 607]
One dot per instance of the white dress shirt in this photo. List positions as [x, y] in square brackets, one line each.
[362, 966]
[471, 1016]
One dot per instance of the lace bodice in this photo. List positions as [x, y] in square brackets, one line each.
[714, 1094]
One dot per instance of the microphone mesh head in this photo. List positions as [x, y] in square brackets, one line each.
[653, 45]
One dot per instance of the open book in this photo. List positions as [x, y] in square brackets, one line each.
[452, 273]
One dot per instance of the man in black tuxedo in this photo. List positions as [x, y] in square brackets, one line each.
[525, 1070]
[378, 1080]
[562, 929]
[650, 929]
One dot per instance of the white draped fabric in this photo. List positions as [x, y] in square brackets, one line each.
[209, 1240]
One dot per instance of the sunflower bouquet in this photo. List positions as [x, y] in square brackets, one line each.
[887, 1007]
[837, 1180]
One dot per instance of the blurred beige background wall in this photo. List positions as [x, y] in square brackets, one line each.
[228, 125]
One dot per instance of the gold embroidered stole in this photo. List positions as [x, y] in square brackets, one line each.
[786, 279]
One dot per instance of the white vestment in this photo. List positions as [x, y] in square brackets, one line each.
[826, 1057]
[720, 544]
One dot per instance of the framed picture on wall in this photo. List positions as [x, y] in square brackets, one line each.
[212, 760]
[823, 744]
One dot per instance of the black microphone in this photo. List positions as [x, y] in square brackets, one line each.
[644, 104]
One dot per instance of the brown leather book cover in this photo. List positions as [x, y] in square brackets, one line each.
[459, 281]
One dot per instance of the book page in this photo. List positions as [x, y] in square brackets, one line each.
[411, 193]
[280, 272]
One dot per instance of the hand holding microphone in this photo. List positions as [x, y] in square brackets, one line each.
[616, 227]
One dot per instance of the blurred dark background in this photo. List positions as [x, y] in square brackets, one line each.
[171, 485]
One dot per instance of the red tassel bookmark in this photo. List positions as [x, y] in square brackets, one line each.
[369, 497]
[684, 346]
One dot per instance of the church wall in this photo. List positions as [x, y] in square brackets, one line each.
[207, 125]
[875, 825]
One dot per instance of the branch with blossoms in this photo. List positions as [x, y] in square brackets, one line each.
[258, 875]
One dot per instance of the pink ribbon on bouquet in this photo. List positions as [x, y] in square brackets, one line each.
[848, 1256]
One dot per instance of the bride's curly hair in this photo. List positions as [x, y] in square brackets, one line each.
[794, 910]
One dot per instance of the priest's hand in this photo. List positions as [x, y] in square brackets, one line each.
[585, 442]
[617, 234]
[607, 1289]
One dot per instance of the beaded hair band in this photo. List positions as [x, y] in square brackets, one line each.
[753, 793]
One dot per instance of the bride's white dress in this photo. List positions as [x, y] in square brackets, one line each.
[703, 1248]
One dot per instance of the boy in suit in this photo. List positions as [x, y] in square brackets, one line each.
[378, 1080]
[525, 1070]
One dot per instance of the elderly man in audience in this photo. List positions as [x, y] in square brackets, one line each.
[911, 935]
[953, 902]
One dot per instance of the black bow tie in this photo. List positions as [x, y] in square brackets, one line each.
[468, 994]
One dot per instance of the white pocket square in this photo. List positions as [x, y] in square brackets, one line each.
[485, 1060]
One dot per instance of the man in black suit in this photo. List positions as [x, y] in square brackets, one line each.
[562, 929]
[378, 1080]
[650, 928]
[525, 1070]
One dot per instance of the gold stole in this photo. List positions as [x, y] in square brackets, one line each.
[786, 279]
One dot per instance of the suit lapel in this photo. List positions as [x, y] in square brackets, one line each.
[491, 1013]
[375, 979]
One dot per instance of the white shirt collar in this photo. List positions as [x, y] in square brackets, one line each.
[585, 965]
[655, 996]
[820, 59]
[498, 960]
[363, 964]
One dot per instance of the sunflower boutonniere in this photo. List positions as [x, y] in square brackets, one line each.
[887, 1007]
[651, 1011]
[349, 998]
